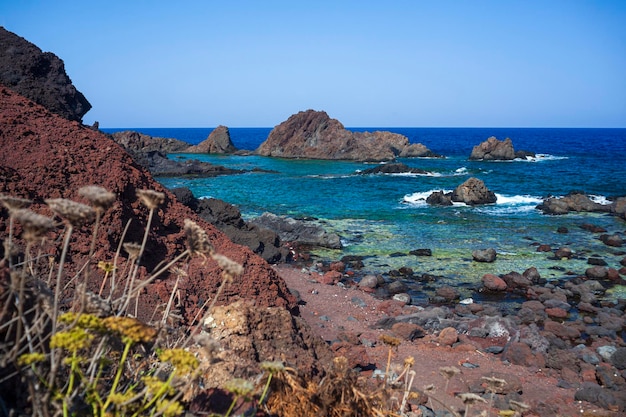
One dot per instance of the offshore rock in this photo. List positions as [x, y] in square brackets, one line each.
[138, 143]
[574, 201]
[218, 142]
[395, 168]
[473, 192]
[39, 76]
[493, 149]
[314, 135]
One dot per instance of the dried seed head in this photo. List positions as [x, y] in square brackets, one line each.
[273, 367]
[150, 198]
[229, 266]
[197, 239]
[240, 387]
[449, 372]
[98, 196]
[106, 266]
[133, 249]
[493, 383]
[409, 361]
[178, 271]
[35, 225]
[75, 213]
[14, 203]
[471, 398]
[518, 406]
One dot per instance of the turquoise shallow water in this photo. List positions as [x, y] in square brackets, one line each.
[383, 216]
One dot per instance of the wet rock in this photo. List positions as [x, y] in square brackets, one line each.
[484, 255]
[614, 240]
[516, 280]
[557, 313]
[447, 293]
[544, 248]
[493, 283]
[563, 253]
[439, 198]
[592, 228]
[596, 261]
[574, 201]
[421, 252]
[396, 287]
[393, 168]
[532, 274]
[472, 192]
[596, 272]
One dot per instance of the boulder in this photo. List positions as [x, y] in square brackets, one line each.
[218, 142]
[439, 198]
[493, 149]
[39, 76]
[473, 192]
[306, 233]
[484, 255]
[574, 201]
[493, 283]
[314, 135]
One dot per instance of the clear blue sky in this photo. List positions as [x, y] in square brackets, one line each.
[436, 63]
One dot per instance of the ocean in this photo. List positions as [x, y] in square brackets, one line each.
[383, 217]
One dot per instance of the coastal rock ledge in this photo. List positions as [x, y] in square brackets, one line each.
[314, 135]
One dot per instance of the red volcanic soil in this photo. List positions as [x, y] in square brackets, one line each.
[45, 156]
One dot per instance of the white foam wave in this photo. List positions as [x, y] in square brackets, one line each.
[419, 198]
[518, 200]
[542, 157]
[600, 199]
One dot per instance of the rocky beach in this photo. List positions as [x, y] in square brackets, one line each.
[552, 330]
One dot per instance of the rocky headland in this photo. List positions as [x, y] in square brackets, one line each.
[151, 153]
[314, 135]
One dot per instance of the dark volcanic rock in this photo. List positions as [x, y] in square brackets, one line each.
[395, 168]
[314, 135]
[137, 143]
[472, 192]
[298, 231]
[575, 201]
[484, 255]
[218, 142]
[151, 153]
[439, 198]
[493, 149]
[39, 76]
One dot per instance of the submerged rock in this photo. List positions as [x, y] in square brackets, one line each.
[395, 168]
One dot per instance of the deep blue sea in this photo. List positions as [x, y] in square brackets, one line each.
[383, 217]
